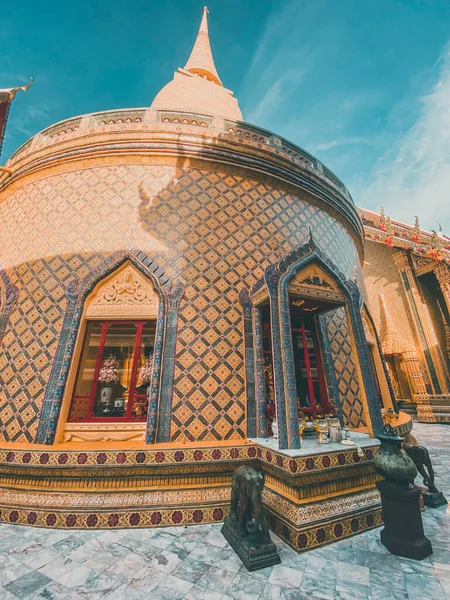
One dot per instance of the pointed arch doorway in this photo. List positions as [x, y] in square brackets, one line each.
[333, 342]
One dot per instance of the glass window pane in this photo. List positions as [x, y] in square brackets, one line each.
[144, 371]
[114, 380]
[114, 377]
[85, 379]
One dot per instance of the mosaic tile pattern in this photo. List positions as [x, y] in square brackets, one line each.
[180, 456]
[346, 376]
[66, 224]
[197, 564]
[175, 456]
[327, 532]
[110, 520]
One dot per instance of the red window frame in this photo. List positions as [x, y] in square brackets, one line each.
[267, 351]
[320, 379]
[132, 395]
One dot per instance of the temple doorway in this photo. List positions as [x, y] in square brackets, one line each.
[312, 394]
[434, 301]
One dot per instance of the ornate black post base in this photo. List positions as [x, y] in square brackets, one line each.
[254, 553]
[433, 499]
[403, 533]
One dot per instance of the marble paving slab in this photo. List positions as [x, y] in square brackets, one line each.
[196, 563]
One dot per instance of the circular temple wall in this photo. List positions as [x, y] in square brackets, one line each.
[212, 206]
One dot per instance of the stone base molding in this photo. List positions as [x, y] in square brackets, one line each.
[175, 485]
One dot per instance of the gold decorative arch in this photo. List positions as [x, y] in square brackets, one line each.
[313, 281]
[125, 294]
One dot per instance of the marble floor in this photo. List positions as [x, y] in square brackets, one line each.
[196, 563]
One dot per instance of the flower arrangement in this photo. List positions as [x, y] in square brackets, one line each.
[109, 371]
[146, 371]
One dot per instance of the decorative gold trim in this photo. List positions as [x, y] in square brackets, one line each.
[314, 282]
[104, 432]
[309, 292]
[261, 296]
[377, 361]
[357, 364]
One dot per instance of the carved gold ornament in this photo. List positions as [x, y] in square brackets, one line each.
[127, 294]
[313, 281]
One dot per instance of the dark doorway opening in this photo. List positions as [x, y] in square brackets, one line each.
[312, 394]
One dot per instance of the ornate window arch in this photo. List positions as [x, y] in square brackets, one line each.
[134, 286]
[273, 289]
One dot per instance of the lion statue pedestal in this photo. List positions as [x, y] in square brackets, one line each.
[246, 528]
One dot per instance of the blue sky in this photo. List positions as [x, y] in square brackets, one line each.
[362, 84]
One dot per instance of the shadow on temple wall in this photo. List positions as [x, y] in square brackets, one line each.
[32, 333]
[174, 215]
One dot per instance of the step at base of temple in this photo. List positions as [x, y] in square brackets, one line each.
[408, 407]
[435, 409]
[433, 499]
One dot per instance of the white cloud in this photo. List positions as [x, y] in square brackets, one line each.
[339, 142]
[26, 122]
[413, 176]
[280, 63]
[276, 94]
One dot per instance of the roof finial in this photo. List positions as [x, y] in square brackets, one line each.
[204, 23]
[11, 92]
[7, 95]
[311, 240]
[201, 60]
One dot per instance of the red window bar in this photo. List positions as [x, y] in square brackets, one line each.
[137, 403]
[312, 371]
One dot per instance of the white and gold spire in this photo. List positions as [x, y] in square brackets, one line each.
[201, 61]
[197, 87]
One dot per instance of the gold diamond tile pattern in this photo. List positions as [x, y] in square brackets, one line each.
[346, 375]
[213, 231]
[29, 345]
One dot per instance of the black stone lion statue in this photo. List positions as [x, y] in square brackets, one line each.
[420, 457]
[246, 491]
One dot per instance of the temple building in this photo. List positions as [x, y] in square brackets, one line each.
[407, 280]
[176, 287]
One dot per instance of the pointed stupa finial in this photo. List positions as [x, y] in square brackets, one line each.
[201, 60]
[204, 23]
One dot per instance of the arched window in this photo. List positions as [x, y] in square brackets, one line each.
[113, 361]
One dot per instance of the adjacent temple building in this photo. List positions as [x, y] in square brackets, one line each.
[176, 286]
